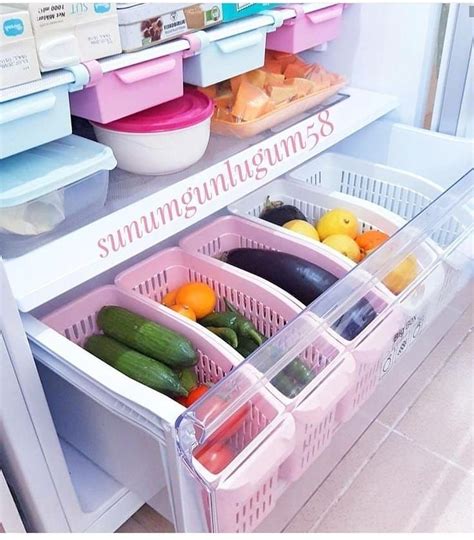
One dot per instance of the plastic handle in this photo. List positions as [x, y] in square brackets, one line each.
[242, 41]
[332, 390]
[26, 106]
[261, 461]
[322, 15]
[59, 52]
[147, 70]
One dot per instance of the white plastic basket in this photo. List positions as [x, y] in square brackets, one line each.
[314, 202]
[398, 191]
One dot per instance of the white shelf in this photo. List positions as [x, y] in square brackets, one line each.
[165, 198]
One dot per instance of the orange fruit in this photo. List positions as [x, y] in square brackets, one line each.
[185, 311]
[369, 240]
[197, 296]
[169, 299]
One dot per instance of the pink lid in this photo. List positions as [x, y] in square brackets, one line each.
[190, 109]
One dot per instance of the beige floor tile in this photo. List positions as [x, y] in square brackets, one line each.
[404, 488]
[422, 377]
[132, 526]
[442, 417]
[340, 477]
[152, 521]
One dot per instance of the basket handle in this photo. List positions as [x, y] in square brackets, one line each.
[27, 106]
[323, 15]
[147, 70]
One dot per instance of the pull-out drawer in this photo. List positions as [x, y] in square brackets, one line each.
[201, 501]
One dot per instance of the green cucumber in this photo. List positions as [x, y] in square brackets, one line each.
[147, 337]
[188, 378]
[298, 370]
[135, 365]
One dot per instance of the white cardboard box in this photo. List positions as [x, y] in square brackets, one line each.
[68, 34]
[18, 60]
[150, 23]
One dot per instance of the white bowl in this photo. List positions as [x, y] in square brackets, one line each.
[159, 153]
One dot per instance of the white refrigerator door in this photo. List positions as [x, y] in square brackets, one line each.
[453, 110]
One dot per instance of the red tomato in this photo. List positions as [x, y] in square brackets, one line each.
[212, 407]
[193, 395]
[215, 457]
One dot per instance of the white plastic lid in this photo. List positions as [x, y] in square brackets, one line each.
[42, 170]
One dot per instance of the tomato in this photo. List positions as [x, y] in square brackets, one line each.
[215, 457]
[193, 395]
[212, 407]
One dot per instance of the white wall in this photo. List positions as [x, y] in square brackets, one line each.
[388, 48]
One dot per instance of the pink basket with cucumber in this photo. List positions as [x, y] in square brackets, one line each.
[269, 309]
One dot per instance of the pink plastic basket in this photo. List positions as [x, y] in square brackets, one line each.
[77, 321]
[269, 309]
[232, 232]
[306, 30]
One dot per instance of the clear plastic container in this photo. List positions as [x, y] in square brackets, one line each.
[50, 186]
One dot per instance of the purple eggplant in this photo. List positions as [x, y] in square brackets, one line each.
[303, 280]
[278, 213]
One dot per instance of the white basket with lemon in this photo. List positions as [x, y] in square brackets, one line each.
[344, 225]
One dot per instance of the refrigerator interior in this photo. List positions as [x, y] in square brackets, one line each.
[124, 445]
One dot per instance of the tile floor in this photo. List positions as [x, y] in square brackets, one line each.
[412, 470]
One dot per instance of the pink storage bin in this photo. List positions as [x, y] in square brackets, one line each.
[306, 30]
[113, 95]
[77, 321]
[233, 232]
[269, 309]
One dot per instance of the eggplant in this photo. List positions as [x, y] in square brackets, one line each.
[279, 213]
[303, 280]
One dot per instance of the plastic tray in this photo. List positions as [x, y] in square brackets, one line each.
[244, 130]
[77, 321]
[269, 309]
[404, 193]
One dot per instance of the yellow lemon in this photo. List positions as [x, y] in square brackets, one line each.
[337, 221]
[302, 227]
[345, 245]
[402, 275]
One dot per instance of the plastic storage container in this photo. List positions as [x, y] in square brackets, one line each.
[164, 139]
[269, 309]
[216, 55]
[119, 93]
[53, 184]
[307, 29]
[401, 192]
[244, 130]
[33, 120]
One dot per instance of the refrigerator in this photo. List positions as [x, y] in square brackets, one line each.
[84, 446]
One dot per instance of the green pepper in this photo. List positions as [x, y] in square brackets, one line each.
[232, 320]
[227, 334]
[246, 347]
